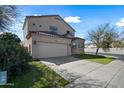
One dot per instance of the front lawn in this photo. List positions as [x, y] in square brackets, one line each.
[38, 76]
[96, 58]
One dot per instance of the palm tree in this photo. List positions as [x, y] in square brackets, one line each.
[7, 14]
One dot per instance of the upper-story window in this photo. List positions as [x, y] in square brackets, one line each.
[74, 45]
[68, 32]
[53, 29]
[33, 24]
[40, 25]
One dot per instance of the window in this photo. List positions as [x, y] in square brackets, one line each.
[40, 25]
[80, 46]
[74, 45]
[53, 29]
[68, 32]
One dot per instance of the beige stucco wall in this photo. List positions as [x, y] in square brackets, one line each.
[46, 22]
[25, 32]
[28, 42]
[48, 39]
[78, 49]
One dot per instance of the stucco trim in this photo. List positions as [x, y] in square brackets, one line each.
[52, 42]
[40, 33]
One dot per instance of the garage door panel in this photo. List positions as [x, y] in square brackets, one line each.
[51, 50]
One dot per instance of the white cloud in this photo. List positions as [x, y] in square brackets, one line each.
[120, 23]
[17, 25]
[16, 28]
[80, 35]
[37, 14]
[72, 19]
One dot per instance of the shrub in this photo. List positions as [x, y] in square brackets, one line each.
[13, 56]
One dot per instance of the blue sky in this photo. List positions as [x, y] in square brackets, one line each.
[82, 18]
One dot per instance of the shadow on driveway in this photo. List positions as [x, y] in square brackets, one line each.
[60, 60]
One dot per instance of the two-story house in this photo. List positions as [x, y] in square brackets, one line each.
[50, 36]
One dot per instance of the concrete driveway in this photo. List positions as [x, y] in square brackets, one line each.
[86, 74]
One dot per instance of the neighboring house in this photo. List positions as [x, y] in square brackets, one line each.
[50, 36]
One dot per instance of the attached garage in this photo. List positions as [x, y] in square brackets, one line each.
[45, 50]
[49, 46]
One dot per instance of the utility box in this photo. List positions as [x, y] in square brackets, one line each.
[3, 77]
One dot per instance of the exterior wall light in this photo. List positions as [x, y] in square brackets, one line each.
[35, 42]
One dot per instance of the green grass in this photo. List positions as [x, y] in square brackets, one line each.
[38, 76]
[96, 58]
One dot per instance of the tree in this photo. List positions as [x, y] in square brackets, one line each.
[110, 35]
[103, 36]
[117, 44]
[119, 41]
[96, 36]
[122, 39]
[7, 14]
[122, 35]
[13, 56]
[10, 37]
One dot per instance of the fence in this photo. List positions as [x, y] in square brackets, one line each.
[110, 50]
